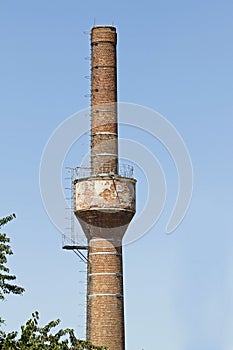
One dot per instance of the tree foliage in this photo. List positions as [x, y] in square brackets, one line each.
[6, 285]
[34, 337]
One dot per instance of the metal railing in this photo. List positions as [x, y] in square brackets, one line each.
[124, 170]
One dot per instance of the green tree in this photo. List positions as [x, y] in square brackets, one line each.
[34, 337]
[6, 279]
[6, 286]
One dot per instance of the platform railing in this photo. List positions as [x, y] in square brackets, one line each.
[124, 170]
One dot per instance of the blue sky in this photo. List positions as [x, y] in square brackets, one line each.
[174, 57]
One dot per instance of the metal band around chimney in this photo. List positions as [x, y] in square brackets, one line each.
[106, 273]
[105, 253]
[117, 295]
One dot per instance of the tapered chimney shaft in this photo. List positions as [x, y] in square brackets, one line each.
[104, 144]
[104, 201]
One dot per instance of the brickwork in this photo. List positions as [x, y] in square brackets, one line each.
[104, 203]
[105, 305]
[104, 147]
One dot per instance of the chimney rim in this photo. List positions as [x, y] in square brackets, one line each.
[113, 28]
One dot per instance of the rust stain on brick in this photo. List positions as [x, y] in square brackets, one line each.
[104, 205]
[106, 194]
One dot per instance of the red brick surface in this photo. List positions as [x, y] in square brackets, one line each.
[104, 203]
[105, 313]
[104, 147]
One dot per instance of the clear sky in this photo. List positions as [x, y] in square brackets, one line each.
[177, 58]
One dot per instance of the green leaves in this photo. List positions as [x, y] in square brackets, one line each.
[34, 337]
[7, 219]
[5, 277]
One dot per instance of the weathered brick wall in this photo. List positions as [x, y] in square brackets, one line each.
[105, 305]
[104, 146]
[104, 203]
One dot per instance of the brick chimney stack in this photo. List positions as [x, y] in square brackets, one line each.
[104, 201]
[104, 147]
